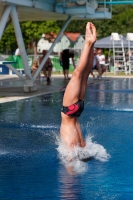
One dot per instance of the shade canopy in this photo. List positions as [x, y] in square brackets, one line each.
[106, 43]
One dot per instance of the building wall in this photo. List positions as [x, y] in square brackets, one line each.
[79, 43]
[63, 43]
[43, 45]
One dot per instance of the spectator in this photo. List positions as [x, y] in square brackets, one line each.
[106, 58]
[47, 68]
[101, 58]
[64, 60]
[30, 50]
[107, 62]
[118, 66]
[96, 65]
[129, 59]
[34, 68]
[129, 56]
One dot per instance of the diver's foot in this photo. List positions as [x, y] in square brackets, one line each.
[94, 32]
[90, 35]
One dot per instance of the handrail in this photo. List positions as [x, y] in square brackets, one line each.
[116, 2]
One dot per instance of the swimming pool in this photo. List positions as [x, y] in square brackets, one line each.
[30, 167]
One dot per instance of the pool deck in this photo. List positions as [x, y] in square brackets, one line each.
[11, 87]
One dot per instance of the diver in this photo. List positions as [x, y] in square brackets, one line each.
[73, 100]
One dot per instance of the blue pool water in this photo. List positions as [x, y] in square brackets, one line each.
[30, 167]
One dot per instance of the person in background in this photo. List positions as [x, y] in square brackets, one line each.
[117, 66]
[107, 62]
[129, 56]
[34, 68]
[106, 58]
[30, 50]
[96, 65]
[101, 58]
[64, 60]
[129, 59]
[47, 68]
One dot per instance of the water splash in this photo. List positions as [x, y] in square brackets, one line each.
[73, 159]
[97, 151]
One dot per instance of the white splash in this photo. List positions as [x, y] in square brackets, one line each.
[72, 159]
[95, 150]
[125, 109]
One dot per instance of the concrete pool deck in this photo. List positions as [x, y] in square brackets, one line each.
[11, 87]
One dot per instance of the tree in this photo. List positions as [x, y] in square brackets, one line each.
[31, 31]
[121, 22]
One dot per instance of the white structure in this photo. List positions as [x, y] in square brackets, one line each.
[118, 53]
[79, 43]
[129, 38]
[43, 43]
[63, 43]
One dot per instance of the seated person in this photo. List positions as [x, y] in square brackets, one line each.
[34, 68]
[96, 65]
[101, 61]
[129, 56]
[118, 65]
[47, 68]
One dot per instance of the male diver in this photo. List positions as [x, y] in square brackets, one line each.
[73, 100]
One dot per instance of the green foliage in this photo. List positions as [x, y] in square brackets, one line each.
[8, 40]
[30, 31]
[121, 22]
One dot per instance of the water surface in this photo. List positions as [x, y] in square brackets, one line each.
[30, 167]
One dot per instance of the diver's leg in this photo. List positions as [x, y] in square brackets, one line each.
[83, 89]
[70, 134]
[73, 90]
[86, 74]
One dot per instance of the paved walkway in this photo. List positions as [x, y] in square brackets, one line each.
[11, 87]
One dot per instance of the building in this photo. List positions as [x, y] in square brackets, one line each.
[67, 40]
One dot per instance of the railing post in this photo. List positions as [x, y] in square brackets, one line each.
[4, 19]
[20, 42]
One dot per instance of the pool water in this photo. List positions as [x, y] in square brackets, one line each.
[30, 167]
